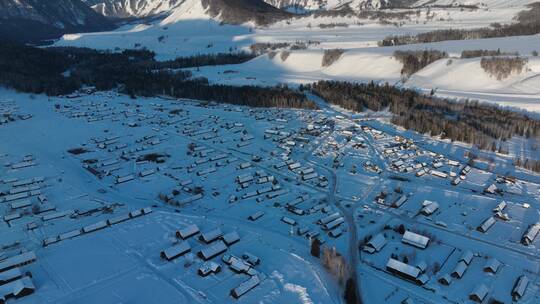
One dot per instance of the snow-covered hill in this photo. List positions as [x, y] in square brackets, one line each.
[450, 77]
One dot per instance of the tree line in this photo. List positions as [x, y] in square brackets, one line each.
[202, 60]
[483, 125]
[485, 53]
[60, 71]
[528, 24]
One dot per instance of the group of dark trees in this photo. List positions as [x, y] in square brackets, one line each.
[330, 56]
[485, 126]
[202, 60]
[493, 61]
[59, 71]
[329, 261]
[528, 24]
[484, 53]
[502, 67]
[414, 61]
[527, 163]
[332, 25]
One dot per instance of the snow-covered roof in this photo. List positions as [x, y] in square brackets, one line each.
[519, 288]
[479, 293]
[20, 287]
[376, 243]
[402, 268]
[211, 235]
[467, 257]
[175, 251]
[212, 250]
[460, 269]
[10, 275]
[430, 208]
[492, 265]
[245, 286]
[531, 234]
[415, 239]
[231, 238]
[187, 231]
[484, 227]
[21, 259]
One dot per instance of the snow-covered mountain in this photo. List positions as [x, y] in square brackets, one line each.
[230, 11]
[38, 19]
[192, 27]
[145, 8]
[132, 8]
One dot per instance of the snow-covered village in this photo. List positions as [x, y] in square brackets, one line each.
[188, 152]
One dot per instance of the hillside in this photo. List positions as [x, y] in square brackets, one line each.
[34, 20]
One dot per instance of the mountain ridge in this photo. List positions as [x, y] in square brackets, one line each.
[34, 20]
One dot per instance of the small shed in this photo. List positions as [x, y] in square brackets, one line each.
[466, 257]
[445, 279]
[519, 287]
[479, 293]
[492, 265]
[488, 223]
[460, 269]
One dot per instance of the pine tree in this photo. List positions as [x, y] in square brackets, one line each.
[316, 248]
[350, 292]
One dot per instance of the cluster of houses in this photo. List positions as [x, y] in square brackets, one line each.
[406, 157]
[112, 156]
[266, 186]
[214, 243]
[128, 114]
[480, 292]
[24, 196]
[416, 273]
[331, 224]
[417, 162]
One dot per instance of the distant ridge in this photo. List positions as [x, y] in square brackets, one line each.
[36, 20]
